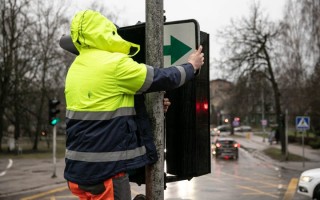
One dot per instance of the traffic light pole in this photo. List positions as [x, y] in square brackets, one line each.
[154, 57]
[54, 148]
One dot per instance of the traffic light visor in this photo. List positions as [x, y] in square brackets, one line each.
[53, 111]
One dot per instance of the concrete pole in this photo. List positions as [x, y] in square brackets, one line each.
[154, 101]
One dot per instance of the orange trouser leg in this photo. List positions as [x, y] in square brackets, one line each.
[84, 195]
[74, 188]
[107, 194]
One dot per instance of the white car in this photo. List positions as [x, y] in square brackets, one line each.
[220, 129]
[242, 128]
[309, 183]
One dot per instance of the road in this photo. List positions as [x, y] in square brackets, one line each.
[247, 178]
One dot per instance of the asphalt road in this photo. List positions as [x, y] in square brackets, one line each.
[248, 178]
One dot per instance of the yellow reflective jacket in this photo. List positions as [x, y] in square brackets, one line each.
[103, 138]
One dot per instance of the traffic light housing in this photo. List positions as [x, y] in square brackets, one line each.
[187, 136]
[188, 124]
[53, 111]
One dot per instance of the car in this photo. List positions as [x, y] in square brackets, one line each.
[215, 132]
[225, 147]
[225, 127]
[219, 129]
[309, 183]
[243, 128]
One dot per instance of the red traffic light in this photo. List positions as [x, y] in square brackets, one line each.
[202, 106]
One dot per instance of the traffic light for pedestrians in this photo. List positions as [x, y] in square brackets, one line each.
[53, 111]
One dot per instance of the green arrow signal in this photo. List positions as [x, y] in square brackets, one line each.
[177, 49]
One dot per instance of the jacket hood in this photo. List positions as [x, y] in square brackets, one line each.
[90, 29]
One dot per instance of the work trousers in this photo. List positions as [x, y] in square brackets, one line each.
[115, 188]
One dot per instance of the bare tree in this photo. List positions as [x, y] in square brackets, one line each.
[110, 14]
[310, 15]
[48, 72]
[293, 72]
[33, 66]
[250, 47]
[31, 71]
[250, 100]
[14, 23]
[310, 23]
[301, 59]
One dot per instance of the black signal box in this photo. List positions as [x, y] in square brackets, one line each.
[187, 131]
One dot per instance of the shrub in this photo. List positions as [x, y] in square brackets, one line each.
[315, 144]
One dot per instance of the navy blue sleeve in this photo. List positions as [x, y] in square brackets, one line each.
[169, 78]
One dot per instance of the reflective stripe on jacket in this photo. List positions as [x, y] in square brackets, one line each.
[103, 138]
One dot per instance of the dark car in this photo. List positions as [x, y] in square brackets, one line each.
[226, 147]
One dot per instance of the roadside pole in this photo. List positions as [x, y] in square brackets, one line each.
[286, 135]
[303, 157]
[302, 125]
[262, 117]
[154, 101]
[54, 148]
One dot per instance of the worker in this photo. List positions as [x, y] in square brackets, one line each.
[104, 139]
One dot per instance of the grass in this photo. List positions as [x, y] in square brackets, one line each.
[276, 154]
[44, 151]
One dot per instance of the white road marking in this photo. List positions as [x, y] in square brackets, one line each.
[10, 163]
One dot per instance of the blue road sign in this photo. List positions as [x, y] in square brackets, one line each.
[302, 123]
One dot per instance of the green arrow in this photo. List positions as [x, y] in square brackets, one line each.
[177, 49]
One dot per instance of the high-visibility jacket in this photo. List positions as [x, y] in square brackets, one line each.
[103, 137]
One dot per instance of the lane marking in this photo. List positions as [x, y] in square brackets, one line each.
[9, 165]
[46, 193]
[291, 190]
[63, 197]
[267, 176]
[258, 192]
[216, 179]
[251, 180]
[279, 186]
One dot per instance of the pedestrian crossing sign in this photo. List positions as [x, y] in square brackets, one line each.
[302, 123]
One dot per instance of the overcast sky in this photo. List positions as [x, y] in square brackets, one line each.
[212, 15]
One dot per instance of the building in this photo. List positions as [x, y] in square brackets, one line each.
[220, 93]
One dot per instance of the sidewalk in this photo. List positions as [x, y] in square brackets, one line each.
[251, 141]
